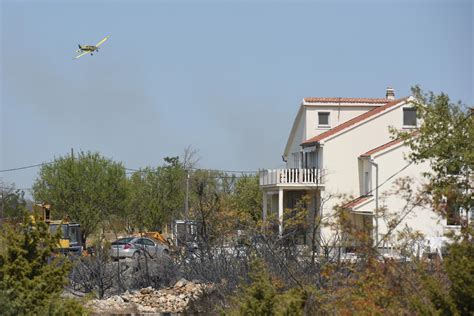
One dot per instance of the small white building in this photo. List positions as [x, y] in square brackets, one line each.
[340, 150]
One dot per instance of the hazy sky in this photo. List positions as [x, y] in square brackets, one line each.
[226, 77]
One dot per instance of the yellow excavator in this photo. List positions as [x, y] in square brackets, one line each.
[157, 236]
[70, 241]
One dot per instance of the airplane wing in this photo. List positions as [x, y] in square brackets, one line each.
[102, 41]
[81, 54]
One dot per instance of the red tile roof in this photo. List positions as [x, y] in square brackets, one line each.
[386, 145]
[382, 147]
[352, 122]
[346, 100]
[357, 201]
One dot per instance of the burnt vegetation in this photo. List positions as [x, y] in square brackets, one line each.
[254, 268]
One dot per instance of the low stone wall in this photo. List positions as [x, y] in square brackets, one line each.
[175, 299]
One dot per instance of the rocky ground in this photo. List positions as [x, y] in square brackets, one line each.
[176, 299]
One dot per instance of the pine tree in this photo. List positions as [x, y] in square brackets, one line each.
[31, 279]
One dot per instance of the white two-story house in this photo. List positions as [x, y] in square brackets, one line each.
[340, 150]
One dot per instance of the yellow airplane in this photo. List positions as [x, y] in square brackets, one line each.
[89, 49]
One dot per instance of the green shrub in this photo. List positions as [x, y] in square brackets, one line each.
[261, 296]
[31, 279]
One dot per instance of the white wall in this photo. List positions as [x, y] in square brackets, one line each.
[398, 204]
[307, 125]
[419, 218]
[343, 168]
[341, 151]
[297, 140]
[337, 116]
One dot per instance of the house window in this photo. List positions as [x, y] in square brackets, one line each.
[296, 160]
[310, 159]
[323, 119]
[453, 213]
[409, 117]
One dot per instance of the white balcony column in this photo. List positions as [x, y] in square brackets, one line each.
[280, 211]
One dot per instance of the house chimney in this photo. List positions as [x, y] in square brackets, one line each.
[390, 95]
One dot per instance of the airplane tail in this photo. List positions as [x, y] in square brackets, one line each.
[79, 45]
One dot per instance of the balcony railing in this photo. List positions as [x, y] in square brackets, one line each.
[310, 176]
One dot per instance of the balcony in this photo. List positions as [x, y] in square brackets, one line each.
[292, 177]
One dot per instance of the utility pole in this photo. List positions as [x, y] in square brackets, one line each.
[186, 205]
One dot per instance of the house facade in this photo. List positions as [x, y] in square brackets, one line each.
[340, 152]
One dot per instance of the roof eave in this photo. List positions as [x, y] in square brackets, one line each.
[349, 104]
[362, 200]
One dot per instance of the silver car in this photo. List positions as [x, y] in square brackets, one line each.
[134, 247]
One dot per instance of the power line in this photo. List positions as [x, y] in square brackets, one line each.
[227, 177]
[26, 167]
[226, 171]
[135, 170]
[216, 177]
[203, 169]
[24, 189]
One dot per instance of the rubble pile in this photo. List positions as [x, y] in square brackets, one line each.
[175, 299]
